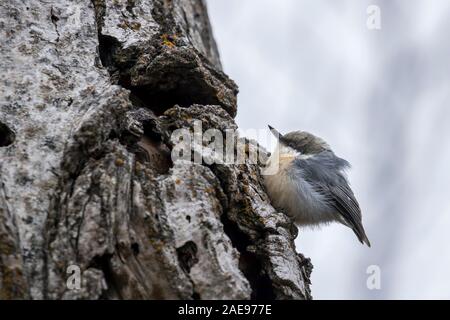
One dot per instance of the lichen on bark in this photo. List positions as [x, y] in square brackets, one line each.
[91, 93]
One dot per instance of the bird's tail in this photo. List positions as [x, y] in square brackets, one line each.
[359, 231]
[361, 234]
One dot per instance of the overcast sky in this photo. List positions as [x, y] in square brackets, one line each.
[381, 100]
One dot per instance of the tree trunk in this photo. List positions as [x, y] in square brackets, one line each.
[90, 94]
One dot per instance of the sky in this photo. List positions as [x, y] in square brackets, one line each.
[380, 98]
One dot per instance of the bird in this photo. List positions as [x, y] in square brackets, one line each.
[310, 183]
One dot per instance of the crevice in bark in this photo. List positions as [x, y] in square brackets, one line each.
[103, 263]
[135, 248]
[183, 91]
[196, 296]
[130, 6]
[107, 47]
[187, 256]
[7, 136]
[249, 262]
[99, 10]
[55, 20]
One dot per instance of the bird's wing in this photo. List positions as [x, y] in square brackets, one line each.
[328, 180]
[341, 197]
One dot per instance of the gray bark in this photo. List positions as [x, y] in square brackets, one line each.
[90, 92]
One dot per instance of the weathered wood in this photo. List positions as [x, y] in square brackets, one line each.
[90, 93]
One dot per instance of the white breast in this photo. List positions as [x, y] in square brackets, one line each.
[291, 194]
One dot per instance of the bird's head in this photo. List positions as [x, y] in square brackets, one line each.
[301, 141]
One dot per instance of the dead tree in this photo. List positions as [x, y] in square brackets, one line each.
[90, 93]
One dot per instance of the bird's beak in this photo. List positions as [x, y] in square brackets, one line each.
[275, 132]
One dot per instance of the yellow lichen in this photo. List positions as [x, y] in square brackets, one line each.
[168, 40]
[158, 245]
[120, 162]
[129, 25]
[210, 190]
[135, 26]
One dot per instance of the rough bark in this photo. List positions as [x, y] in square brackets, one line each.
[90, 93]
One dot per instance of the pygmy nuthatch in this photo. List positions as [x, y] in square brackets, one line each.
[310, 184]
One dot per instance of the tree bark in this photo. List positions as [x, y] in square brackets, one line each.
[90, 94]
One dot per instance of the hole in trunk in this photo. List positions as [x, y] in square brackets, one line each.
[135, 248]
[7, 136]
[177, 84]
[107, 47]
[187, 256]
[180, 92]
[103, 263]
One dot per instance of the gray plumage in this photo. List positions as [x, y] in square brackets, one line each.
[311, 185]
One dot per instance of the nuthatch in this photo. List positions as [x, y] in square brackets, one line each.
[310, 184]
